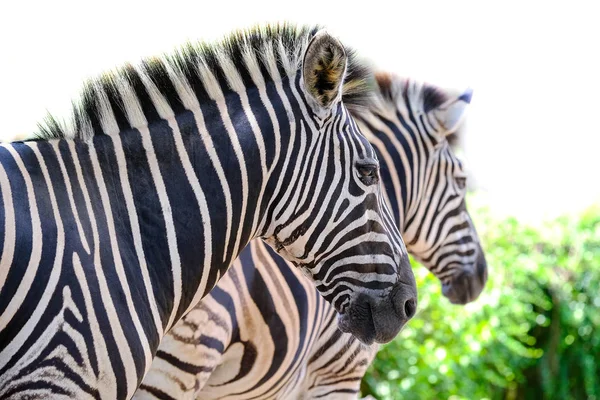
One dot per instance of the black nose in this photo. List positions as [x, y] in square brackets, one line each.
[410, 307]
[404, 294]
[378, 317]
[391, 315]
[404, 302]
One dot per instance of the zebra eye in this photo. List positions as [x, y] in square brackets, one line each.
[368, 173]
[461, 182]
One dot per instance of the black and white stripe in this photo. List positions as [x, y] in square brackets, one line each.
[265, 333]
[115, 226]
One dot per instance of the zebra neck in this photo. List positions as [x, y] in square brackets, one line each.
[202, 180]
[167, 207]
[158, 204]
[198, 180]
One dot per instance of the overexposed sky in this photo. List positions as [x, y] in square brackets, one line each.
[533, 140]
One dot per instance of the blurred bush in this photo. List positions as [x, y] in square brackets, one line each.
[534, 332]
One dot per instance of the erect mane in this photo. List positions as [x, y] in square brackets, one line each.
[274, 51]
[378, 93]
[392, 90]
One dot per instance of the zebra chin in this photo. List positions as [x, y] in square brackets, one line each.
[469, 284]
[372, 319]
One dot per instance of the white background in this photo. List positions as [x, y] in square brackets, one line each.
[532, 137]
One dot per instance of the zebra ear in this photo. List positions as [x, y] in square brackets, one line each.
[451, 112]
[323, 71]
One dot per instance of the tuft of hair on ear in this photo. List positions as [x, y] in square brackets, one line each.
[324, 68]
[359, 91]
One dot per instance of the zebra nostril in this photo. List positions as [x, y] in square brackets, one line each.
[410, 307]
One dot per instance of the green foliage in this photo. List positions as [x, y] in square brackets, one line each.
[533, 333]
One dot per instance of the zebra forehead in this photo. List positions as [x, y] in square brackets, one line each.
[242, 59]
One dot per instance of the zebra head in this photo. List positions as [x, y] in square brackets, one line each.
[335, 226]
[436, 225]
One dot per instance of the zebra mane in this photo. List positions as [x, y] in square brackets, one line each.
[390, 90]
[263, 54]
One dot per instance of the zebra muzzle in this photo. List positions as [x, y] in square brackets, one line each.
[468, 285]
[378, 320]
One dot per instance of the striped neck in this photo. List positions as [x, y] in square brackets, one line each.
[114, 191]
[197, 162]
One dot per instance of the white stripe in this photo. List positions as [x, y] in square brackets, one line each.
[36, 249]
[320, 187]
[17, 340]
[219, 98]
[165, 112]
[190, 102]
[255, 74]
[272, 68]
[165, 205]
[319, 146]
[110, 127]
[105, 297]
[9, 229]
[67, 181]
[289, 185]
[106, 375]
[394, 175]
[118, 263]
[135, 113]
[235, 81]
[305, 121]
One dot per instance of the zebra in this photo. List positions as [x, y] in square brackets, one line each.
[116, 224]
[265, 332]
